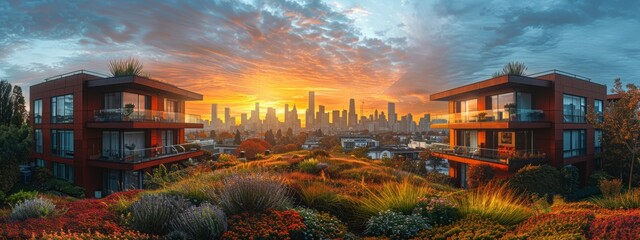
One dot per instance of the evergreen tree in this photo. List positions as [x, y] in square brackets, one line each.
[6, 103]
[279, 136]
[237, 139]
[19, 109]
[269, 137]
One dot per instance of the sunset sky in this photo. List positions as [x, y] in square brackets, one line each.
[238, 52]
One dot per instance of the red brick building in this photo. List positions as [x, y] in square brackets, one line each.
[510, 121]
[102, 133]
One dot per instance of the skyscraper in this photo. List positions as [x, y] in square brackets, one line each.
[214, 112]
[227, 117]
[391, 111]
[353, 118]
[311, 111]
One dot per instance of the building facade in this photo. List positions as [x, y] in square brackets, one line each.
[511, 121]
[103, 133]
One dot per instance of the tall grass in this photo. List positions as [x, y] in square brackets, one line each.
[398, 197]
[126, 67]
[253, 193]
[497, 202]
[628, 200]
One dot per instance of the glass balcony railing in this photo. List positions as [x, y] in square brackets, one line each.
[505, 156]
[497, 115]
[132, 155]
[124, 114]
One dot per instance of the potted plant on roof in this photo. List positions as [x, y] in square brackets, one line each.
[128, 110]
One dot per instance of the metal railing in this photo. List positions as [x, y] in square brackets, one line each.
[560, 72]
[504, 156]
[496, 115]
[125, 114]
[74, 73]
[127, 155]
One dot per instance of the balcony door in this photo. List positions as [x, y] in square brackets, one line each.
[168, 139]
[467, 138]
[134, 143]
[466, 109]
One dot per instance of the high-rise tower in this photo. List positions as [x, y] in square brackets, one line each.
[353, 118]
[311, 110]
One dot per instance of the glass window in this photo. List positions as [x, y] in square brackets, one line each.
[37, 111]
[598, 108]
[598, 140]
[111, 145]
[38, 140]
[64, 171]
[112, 100]
[574, 109]
[62, 109]
[62, 143]
[574, 143]
[40, 163]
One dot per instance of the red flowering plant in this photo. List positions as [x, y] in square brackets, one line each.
[622, 225]
[564, 225]
[265, 225]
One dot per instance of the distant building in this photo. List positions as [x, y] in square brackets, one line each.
[390, 152]
[311, 143]
[351, 142]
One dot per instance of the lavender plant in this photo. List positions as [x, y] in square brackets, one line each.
[33, 208]
[202, 222]
[253, 193]
[153, 212]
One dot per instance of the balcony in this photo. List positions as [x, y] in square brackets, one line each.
[132, 118]
[498, 118]
[509, 158]
[135, 159]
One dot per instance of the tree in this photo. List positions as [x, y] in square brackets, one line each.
[512, 68]
[19, 109]
[328, 142]
[212, 134]
[479, 174]
[279, 136]
[620, 125]
[253, 146]
[6, 103]
[361, 152]
[237, 139]
[434, 162]
[15, 143]
[269, 137]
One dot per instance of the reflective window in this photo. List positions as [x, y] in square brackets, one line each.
[37, 111]
[574, 143]
[61, 170]
[62, 143]
[62, 109]
[38, 140]
[574, 109]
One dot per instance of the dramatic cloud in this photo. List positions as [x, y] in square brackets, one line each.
[274, 51]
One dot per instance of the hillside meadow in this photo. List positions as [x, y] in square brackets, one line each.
[317, 195]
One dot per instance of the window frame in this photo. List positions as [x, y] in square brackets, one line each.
[37, 139]
[574, 117]
[63, 117]
[57, 142]
[576, 136]
[37, 111]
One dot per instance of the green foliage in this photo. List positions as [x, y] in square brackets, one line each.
[438, 210]
[41, 175]
[512, 68]
[309, 166]
[318, 153]
[64, 187]
[395, 225]
[496, 202]
[203, 222]
[541, 180]
[628, 200]
[469, 227]
[12, 105]
[321, 197]
[321, 225]
[33, 208]
[253, 193]
[161, 176]
[361, 152]
[610, 188]
[20, 197]
[398, 197]
[597, 176]
[439, 178]
[479, 174]
[571, 175]
[127, 67]
[15, 143]
[152, 213]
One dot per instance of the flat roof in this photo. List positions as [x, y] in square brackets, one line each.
[489, 85]
[145, 83]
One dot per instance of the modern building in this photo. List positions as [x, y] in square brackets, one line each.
[510, 121]
[350, 142]
[103, 133]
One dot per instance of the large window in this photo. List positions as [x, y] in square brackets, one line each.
[574, 109]
[64, 171]
[62, 109]
[574, 143]
[62, 143]
[37, 111]
[38, 140]
[598, 140]
[112, 145]
[598, 108]
[41, 163]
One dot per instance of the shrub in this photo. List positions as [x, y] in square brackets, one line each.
[570, 207]
[395, 225]
[20, 197]
[597, 176]
[152, 213]
[496, 202]
[479, 174]
[64, 187]
[309, 166]
[567, 225]
[253, 193]
[623, 226]
[399, 197]
[271, 224]
[203, 222]
[33, 208]
[541, 180]
[120, 235]
[571, 175]
[438, 210]
[469, 227]
[321, 225]
[253, 147]
[319, 154]
[629, 200]
[439, 178]
[610, 188]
